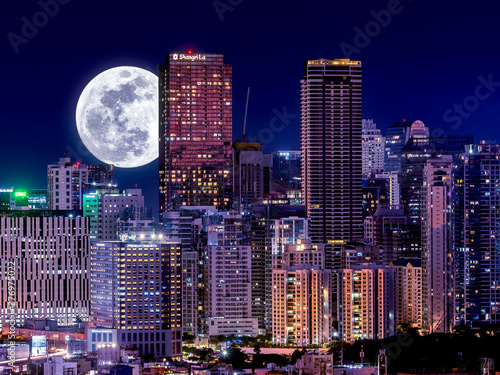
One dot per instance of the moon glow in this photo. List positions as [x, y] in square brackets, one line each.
[117, 117]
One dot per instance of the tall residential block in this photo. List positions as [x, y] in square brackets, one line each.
[331, 149]
[228, 262]
[195, 131]
[437, 246]
[367, 302]
[373, 148]
[476, 204]
[65, 182]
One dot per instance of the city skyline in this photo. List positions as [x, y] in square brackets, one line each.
[411, 44]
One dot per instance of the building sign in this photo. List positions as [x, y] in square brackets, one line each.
[183, 57]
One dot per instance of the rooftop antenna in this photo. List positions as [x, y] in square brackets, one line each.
[244, 126]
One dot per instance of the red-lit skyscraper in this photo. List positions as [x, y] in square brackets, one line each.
[195, 131]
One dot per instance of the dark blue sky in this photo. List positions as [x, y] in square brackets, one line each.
[420, 63]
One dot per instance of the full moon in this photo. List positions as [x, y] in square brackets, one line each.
[117, 117]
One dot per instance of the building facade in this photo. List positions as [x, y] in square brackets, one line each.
[195, 131]
[373, 148]
[251, 175]
[331, 149]
[65, 182]
[367, 302]
[136, 289]
[476, 200]
[437, 246]
[49, 259]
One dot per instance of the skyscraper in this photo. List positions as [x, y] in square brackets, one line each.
[437, 271]
[476, 202]
[373, 148]
[331, 149]
[195, 131]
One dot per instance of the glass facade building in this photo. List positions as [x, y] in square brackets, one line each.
[195, 131]
[476, 202]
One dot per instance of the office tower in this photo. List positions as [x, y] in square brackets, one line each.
[135, 289]
[195, 131]
[373, 148]
[50, 260]
[301, 297]
[477, 236]
[376, 191]
[366, 302]
[415, 155]
[398, 134]
[437, 246]
[330, 97]
[65, 184]
[104, 208]
[229, 267]
[409, 291]
[251, 175]
[286, 166]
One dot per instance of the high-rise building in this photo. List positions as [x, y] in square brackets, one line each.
[331, 149]
[104, 207]
[366, 302]
[251, 175]
[394, 188]
[476, 202]
[409, 291]
[229, 268]
[301, 297]
[195, 131]
[65, 184]
[136, 289]
[414, 157]
[437, 246]
[389, 228]
[373, 148]
[398, 134]
[286, 166]
[48, 259]
[185, 226]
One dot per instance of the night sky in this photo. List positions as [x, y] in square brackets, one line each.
[427, 58]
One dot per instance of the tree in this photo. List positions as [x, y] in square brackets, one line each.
[235, 357]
